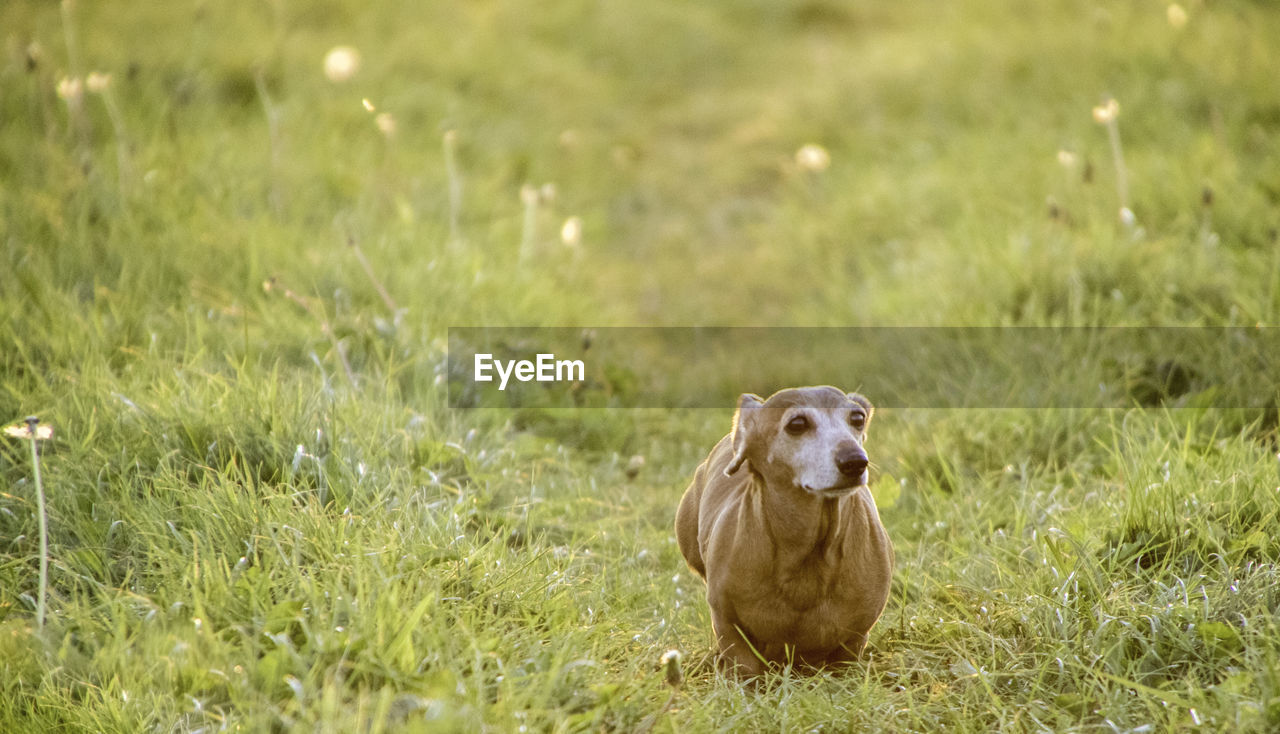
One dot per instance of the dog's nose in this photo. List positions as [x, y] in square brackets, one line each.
[851, 462]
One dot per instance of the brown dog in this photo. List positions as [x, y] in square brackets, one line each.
[780, 523]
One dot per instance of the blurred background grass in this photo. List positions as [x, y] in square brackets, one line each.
[670, 131]
[263, 515]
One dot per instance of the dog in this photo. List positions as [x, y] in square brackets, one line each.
[780, 524]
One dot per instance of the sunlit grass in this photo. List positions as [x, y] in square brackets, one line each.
[262, 515]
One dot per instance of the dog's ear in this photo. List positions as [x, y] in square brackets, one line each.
[866, 405]
[743, 424]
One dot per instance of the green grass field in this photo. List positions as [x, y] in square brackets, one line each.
[263, 515]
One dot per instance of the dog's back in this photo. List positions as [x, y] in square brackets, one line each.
[688, 515]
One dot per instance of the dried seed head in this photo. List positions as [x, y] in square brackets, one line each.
[35, 53]
[634, 465]
[671, 667]
[1055, 212]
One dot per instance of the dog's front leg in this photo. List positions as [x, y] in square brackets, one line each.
[736, 653]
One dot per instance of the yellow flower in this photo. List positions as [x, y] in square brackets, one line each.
[1177, 16]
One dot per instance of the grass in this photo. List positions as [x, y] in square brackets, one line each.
[263, 516]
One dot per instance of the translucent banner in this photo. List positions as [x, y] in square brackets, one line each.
[896, 367]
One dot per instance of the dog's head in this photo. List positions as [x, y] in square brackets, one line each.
[808, 437]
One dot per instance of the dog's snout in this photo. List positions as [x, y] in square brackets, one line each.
[851, 461]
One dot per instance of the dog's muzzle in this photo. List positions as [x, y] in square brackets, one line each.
[851, 462]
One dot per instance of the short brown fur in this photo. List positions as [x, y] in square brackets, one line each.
[795, 572]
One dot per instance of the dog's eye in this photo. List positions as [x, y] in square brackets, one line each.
[797, 425]
[858, 421]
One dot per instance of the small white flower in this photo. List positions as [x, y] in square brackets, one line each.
[571, 232]
[386, 124]
[1106, 112]
[23, 430]
[70, 89]
[529, 195]
[341, 63]
[97, 82]
[813, 157]
[568, 138]
[1177, 16]
[1067, 159]
[1127, 217]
